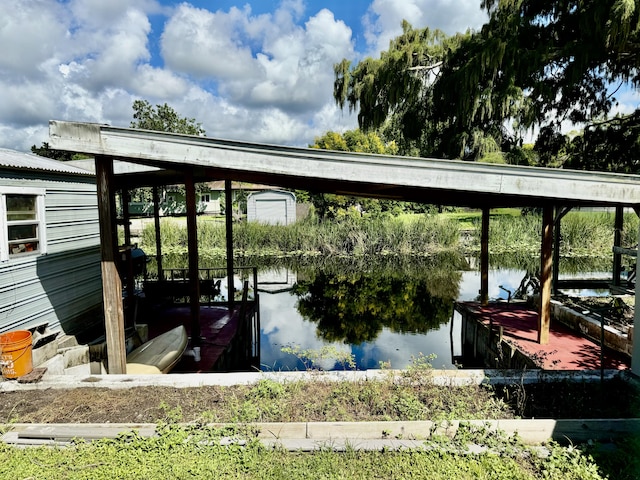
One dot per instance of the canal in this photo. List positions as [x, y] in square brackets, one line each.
[382, 312]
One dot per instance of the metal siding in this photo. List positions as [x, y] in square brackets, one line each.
[64, 287]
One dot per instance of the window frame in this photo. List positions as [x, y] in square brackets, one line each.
[39, 194]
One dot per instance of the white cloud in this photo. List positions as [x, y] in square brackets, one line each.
[264, 77]
[265, 61]
[206, 44]
[30, 33]
[383, 20]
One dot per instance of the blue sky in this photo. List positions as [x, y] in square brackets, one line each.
[253, 70]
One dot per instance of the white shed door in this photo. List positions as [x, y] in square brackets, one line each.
[271, 211]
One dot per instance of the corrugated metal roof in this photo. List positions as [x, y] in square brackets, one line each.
[20, 160]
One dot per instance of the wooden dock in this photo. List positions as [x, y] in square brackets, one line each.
[504, 335]
[227, 336]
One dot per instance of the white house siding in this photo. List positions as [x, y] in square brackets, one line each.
[62, 287]
[273, 207]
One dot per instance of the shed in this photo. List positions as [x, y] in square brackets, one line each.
[49, 245]
[273, 207]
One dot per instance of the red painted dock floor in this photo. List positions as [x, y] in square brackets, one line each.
[217, 328]
[566, 350]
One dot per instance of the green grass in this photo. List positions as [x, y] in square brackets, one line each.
[195, 451]
[583, 235]
[348, 237]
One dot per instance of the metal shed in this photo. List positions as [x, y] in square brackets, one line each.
[49, 245]
[273, 207]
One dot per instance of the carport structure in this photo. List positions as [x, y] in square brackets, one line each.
[158, 158]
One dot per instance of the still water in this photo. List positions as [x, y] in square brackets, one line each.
[376, 326]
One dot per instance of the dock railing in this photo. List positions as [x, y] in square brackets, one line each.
[174, 285]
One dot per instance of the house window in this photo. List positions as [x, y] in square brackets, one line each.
[23, 228]
[205, 198]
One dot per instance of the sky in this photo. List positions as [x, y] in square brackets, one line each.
[253, 70]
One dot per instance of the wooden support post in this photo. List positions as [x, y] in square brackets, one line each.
[546, 267]
[111, 282]
[156, 223]
[617, 239]
[560, 213]
[228, 210]
[484, 258]
[194, 275]
[126, 263]
[635, 355]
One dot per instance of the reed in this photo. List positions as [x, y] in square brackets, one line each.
[582, 234]
[348, 237]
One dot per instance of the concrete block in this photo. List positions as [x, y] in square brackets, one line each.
[41, 354]
[82, 369]
[97, 368]
[54, 366]
[67, 341]
[75, 356]
[281, 430]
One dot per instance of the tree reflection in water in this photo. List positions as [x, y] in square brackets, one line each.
[351, 302]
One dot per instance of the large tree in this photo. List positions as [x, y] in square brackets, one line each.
[394, 92]
[541, 63]
[337, 206]
[163, 118]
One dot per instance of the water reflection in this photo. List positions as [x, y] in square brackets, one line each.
[389, 310]
[283, 324]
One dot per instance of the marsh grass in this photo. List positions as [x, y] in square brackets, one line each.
[583, 234]
[348, 237]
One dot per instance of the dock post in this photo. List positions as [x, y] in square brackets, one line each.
[111, 282]
[635, 357]
[484, 258]
[546, 267]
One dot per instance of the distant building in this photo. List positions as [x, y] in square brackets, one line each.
[272, 207]
[49, 245]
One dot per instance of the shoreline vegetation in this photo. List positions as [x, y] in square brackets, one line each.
[190, 444]
[583, 235]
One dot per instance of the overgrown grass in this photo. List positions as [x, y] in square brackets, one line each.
[189, 446]
[582, 234]
[348, 237]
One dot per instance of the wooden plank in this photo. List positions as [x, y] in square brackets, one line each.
[111, 283]
[192, 245]
[484, 258]
[546, 267]
[228, 199]
[33, 376]
[156, 225]
[632, 252]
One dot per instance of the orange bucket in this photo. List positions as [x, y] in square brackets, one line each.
[15, 353]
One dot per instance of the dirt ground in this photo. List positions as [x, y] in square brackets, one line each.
[319, 401]
[96, 405]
